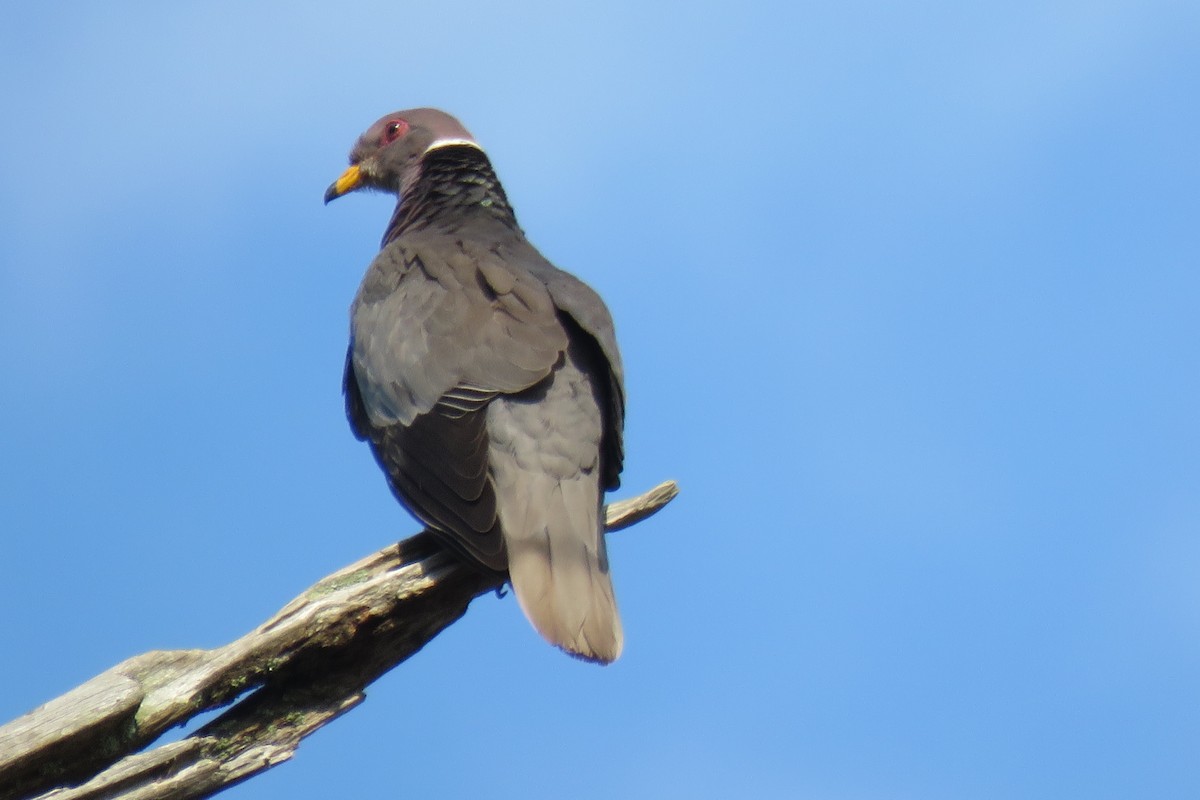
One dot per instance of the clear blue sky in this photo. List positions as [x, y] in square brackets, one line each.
[909, 297]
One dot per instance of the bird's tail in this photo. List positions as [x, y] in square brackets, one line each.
[545, 463]
[545, 471]
[559, 567]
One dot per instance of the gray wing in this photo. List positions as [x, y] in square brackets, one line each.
[588, 311]
[437, 333]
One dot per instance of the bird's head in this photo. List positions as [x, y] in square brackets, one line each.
[388, 156]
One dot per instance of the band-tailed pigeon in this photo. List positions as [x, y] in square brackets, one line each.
[486, 380]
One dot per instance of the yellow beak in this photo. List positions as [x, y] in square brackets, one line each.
[347, 182]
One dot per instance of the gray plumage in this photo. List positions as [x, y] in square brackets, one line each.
[487, 381]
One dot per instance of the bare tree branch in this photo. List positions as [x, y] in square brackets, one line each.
[294, 673]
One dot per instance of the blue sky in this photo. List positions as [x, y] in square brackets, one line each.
[908, 301]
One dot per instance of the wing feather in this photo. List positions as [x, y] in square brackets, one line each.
[438, 332]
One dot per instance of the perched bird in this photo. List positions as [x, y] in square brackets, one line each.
[486, 380]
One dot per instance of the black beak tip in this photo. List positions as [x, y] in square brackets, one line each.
[331, 193]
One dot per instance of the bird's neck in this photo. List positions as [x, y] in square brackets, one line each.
[456, 185]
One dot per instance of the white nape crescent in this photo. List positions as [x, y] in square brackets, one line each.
[451, 141]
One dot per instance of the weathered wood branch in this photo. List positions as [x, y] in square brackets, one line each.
[294, 673]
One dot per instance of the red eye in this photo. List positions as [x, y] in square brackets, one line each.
[393, 130]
